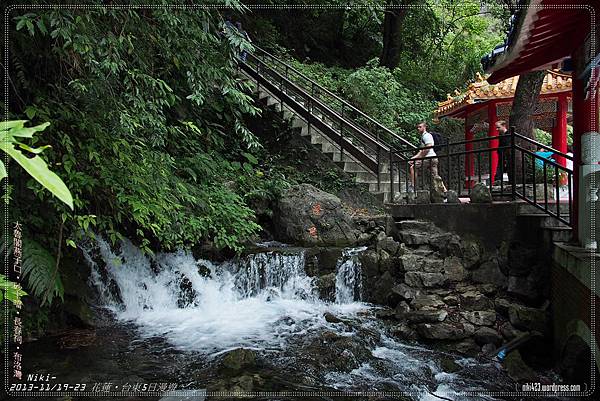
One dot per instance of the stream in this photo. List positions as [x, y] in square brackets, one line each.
[173, 318]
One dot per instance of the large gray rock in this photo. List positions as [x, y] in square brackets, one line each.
[454, 269]
[423, 279]
[326, 286]
[308, 216]
[480, 193]
[389, 245]
[526, 318]
[487, 335]
[517, 369]
[489, 272]
[445, 331]
[425, 316]
[480, 318]
[427, 301]
[237, 359]
[472, 252]
[474, 300]
[405, 292]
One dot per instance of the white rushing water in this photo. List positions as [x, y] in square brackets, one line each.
[258, 301]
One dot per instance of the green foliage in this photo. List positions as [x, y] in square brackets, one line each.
[35, 165]
[147, 127]
[10, 291]
[39, 270]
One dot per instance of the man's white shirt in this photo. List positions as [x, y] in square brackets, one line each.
[427, 140]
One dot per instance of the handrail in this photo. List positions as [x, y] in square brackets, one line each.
[344, 102]
[378, 142]
[539, 144]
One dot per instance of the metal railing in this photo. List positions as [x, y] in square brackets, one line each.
[354, 132]
[542, 182]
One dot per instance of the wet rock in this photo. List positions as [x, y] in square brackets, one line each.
[405, 292]
[448, 365]
[389, 245]
[426, 316]
[472, 253]
[370, 263]
[309, 216]
[445, 331]
[383, 288]
[331, 318]
[509, 332]
[365, 238]
[517, 369]
[385, 314]
[489, 272]
[451, 300]
[480, 318]
[326, 286]
[526, 318]
[422, 197]
[422, 279]
[401, 310]
[428, 301]
[488, 349]
[467, 347]
[80, 311]
[238, 359]
[453, 269]
[474, 300]
[486, 335]
[452, 197]
[480, 193]
[404, 331]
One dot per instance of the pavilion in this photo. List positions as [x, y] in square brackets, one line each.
[483, 102]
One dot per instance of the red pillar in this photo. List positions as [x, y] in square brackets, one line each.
[469, 167]
[559, 132]
[493, 133]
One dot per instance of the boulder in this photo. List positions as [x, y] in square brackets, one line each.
[383, 288]
[487, 335]
[480, 318]
[448, 365]
[452, 197]
[445, 331]
[404, 331]
[369, 260]
[331, 318]
[429, 301]
[238, 359]
[525, 287]
[425, 316]
[480, 193]
[526, 318]
[474, 300]
[423, 279]
[471, 254]
[326, 286]
[509, 332]
[517, 369]
[489, 272]
[405, 292]
[388, 244]
[308, 216]
[453, 269]
[467, 347]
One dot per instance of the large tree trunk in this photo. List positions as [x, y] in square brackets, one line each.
[524, 104]
[392, 22]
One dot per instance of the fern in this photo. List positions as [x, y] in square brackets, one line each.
[38, 269]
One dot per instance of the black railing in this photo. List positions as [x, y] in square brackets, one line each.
[531, 177]
[354, 132]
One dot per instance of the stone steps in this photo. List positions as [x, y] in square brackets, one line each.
[322, 143]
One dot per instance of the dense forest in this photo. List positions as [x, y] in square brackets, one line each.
[149, 121]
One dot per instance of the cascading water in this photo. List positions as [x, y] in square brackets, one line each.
[348, 279]
[256, 301]
[266, 301]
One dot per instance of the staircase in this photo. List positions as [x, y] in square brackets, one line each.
[361, 146]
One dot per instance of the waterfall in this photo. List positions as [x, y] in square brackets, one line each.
[348, 279]
[258, 300]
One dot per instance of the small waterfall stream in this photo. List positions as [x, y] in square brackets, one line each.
[197, 310]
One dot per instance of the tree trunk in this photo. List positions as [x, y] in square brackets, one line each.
[392, 23]
[524, 104]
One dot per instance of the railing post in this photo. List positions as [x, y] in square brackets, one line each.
[513, 167]
[391, 200]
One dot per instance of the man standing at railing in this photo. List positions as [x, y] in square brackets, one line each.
[503, 152]
[427, 151]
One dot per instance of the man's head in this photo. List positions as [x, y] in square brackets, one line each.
[422, 127]
[501, 126]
